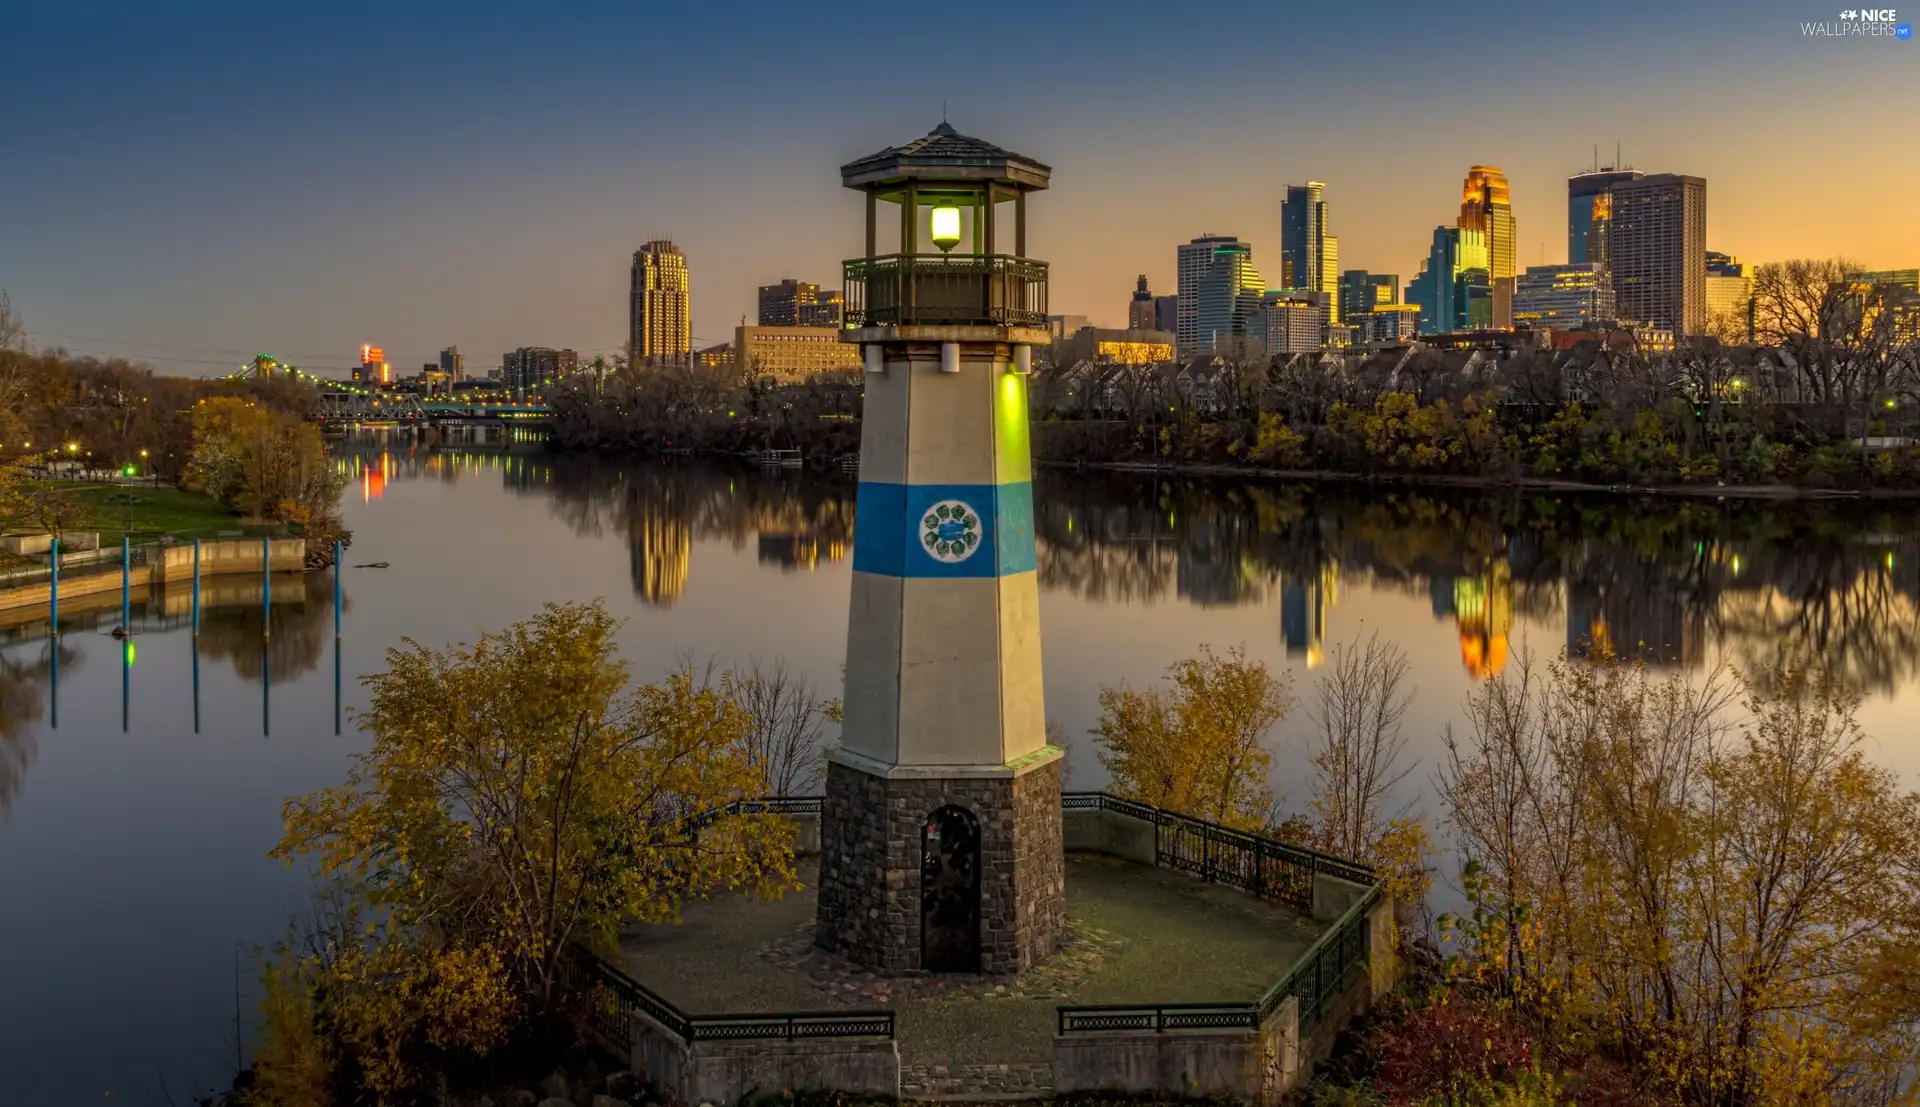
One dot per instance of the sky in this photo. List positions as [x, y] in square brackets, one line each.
[189, 183]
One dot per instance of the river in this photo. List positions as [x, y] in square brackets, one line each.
[134, 881]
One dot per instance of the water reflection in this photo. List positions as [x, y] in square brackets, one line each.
[26, 676]
[1670, 582]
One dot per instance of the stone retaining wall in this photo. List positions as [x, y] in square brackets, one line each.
[725, 1072]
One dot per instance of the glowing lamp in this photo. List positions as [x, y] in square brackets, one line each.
[946, 227]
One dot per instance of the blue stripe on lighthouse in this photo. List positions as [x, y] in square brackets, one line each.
[890, 534]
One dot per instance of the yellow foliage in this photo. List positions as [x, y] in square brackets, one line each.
[1198, 745]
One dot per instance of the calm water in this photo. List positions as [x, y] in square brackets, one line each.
[132, 845]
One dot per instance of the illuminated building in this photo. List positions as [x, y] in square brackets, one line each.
[792, 353]
[1128, 347]
[1563, 296]
[1303, 613]
[1293, 322]
[1140, 313]
[1386, 323]
[662, 553]
[1729, 294]
[1908, 279]
[454, 364]
[1361, 291]
[1453, 276]
[780, 303]
[1485, 207]
[529, 368]
[373, 368]
[659, 311]
[1194, 263]
[828, 309]
[1589, 210]
[1657, 251]
[1309, 256]
[718, 358]
[1228, 297]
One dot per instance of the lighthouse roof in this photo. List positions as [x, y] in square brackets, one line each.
[945, 155]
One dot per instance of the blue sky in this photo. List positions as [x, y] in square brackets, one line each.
[190, 183]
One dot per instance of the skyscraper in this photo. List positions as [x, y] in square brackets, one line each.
[1729, 292]
[1309, 256]
[453, 363]
[1140, 308]
[1362, 291]
[1228, 297]
[1485, 207]
[1657, 251]
[659, 320]
[1454, 277]
[780, 303]
[1194, 262]
[1589, 210]
[1166, 313]
[1564, 296]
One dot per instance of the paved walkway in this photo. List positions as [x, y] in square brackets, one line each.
[1135, 935]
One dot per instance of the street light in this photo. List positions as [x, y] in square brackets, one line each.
[946, 227]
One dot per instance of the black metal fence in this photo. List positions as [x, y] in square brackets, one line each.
[1331, 965]
[611, 999]
[945, 288]
[1254, 863]
[1158, 1017]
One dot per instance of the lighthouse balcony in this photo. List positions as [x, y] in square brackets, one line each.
[944, 289]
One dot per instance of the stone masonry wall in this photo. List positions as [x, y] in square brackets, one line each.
[870, 866]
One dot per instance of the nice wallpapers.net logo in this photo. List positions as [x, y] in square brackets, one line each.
[1861, 23]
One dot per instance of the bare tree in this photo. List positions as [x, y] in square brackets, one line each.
[13, 329]
[784, 739]
[1356, 710]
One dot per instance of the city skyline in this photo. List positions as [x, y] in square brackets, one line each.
[490, 209]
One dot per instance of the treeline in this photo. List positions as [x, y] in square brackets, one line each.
[111, 410]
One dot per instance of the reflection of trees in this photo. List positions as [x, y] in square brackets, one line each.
[23, 702]
[301, 630]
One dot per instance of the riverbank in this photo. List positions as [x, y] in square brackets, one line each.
[1523, 484]
[144, 510]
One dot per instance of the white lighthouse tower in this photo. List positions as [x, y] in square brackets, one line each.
[941, 833]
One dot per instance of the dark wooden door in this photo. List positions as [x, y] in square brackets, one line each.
[950, 892]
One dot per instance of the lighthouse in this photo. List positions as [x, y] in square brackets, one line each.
[941, 842]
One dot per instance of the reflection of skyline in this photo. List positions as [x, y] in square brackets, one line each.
[1664, 582]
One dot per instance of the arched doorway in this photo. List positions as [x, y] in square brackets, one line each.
[950, 891]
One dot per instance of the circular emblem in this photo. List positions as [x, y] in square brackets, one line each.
[950, 531]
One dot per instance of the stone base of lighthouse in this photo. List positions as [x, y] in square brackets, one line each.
[895, 865]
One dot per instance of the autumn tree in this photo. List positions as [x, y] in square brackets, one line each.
[1708, 880]
[520, 796]
[262, 463]
[1198, 743]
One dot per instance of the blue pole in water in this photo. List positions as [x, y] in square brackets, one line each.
[266, 588]
[196, 683]
[126, 583]
[336, 587]
[196, 607]
[53, 597]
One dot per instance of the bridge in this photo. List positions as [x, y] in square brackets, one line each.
[341, 407]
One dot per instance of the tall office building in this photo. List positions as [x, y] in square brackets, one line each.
[828, 309]
[1485, 207]
[1227, 300]
[1309, 256]
[1729, 293]
[1454, 288]
[1563, 296]
[453, 363]
[1589, 210]
[780, 303]
[659, 319]
[1166, 313]
[1292, 322]
[373, 367]
[1194, 262]
[1361, 291]
[1657, 251]
[1140, 315]
[529, 368]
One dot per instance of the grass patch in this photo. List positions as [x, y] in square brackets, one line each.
[143, 511]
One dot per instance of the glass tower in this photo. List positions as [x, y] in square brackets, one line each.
[1589, 210]
[1485, 206]
[1309, 256]
[1229, 295]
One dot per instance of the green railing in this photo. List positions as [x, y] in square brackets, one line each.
[951, 289]
[612, 998]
